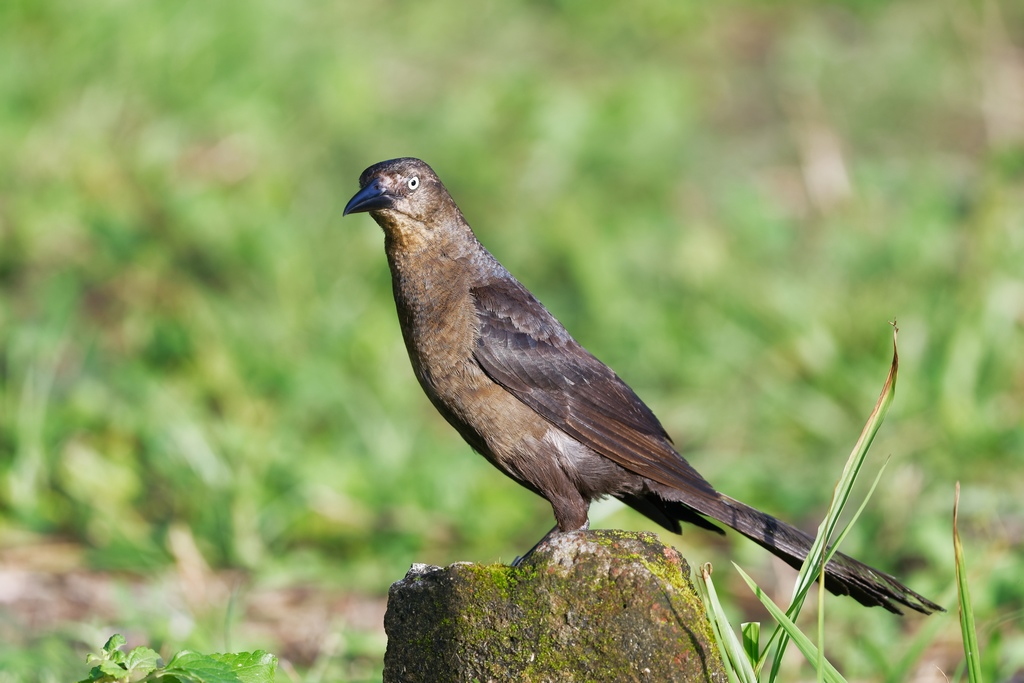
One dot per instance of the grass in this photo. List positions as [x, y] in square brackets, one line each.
[204, 393]
[746, 664]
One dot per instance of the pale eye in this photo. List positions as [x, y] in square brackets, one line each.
[414, 182]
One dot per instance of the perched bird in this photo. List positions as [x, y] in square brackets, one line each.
[523, 393]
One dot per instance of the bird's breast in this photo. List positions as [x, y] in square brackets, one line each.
[439, 324]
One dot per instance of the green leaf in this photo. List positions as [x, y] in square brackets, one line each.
[114, 643]
[244, 667]
[113, 669]
[968, 630]
[109, 653]
[251, 667]
[95, 674]
[200, 668]
[142, 660]
[143, 663]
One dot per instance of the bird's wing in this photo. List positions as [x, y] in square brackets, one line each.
[522, 347]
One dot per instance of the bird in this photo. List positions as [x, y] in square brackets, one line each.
[543, 410]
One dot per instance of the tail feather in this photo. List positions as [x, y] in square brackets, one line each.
[843, 574]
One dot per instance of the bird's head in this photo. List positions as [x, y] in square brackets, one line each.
[400, 191]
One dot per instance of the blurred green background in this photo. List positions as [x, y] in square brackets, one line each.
[210, 436]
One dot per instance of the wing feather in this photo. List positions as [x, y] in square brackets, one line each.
[522, 347]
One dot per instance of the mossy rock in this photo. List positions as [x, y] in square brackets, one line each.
[586, 606]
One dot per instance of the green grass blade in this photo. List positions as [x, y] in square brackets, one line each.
[856, 515]
[820, 666]
[751, 631]
[737, 665]
[844, 487]
[826, 672]
[972, 654]
[823, 547]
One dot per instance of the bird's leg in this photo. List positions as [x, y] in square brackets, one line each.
[548, 536]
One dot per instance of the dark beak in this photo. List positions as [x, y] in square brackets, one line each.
[370, 198]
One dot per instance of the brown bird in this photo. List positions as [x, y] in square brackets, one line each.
[523, 393]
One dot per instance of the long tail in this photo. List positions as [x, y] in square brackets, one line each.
[843, 574]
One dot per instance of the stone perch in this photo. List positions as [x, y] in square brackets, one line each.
[586, 606]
